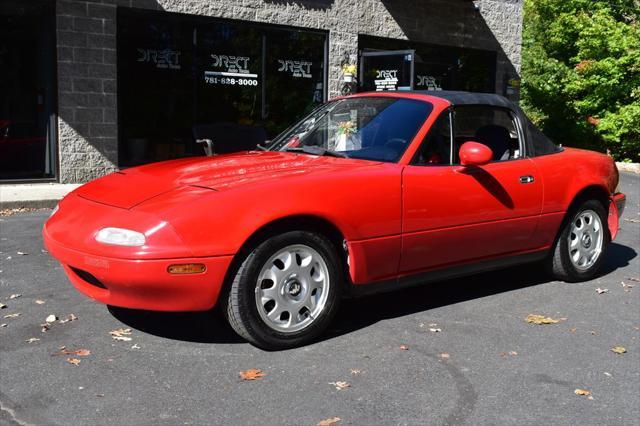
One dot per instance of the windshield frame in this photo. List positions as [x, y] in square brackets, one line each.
[279, 142]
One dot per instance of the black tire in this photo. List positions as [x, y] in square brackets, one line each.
[559, 262]
[240, 306]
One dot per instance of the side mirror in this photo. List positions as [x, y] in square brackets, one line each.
[475, 154]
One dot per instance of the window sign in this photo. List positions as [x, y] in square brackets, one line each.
[386, 70]
[234, 71]
[297, 69]
[427, 82]
[163, 58]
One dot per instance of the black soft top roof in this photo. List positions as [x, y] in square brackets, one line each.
[469, 98]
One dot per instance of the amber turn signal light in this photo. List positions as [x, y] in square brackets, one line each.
[187, 268]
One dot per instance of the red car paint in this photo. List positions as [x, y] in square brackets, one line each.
[397, 219]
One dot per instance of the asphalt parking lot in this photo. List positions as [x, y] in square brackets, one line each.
[455, 352]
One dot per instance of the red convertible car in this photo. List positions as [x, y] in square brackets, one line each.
[370, 192]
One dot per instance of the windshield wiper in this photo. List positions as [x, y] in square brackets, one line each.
[316, 150]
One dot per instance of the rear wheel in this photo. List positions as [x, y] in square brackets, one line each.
[286, 291]
[578, 251]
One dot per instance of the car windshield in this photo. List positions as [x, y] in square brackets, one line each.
[370, 128]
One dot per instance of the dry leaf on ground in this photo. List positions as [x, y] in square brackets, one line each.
[71, 317]
[329, 422]
[445, 355]
[618, 349]
[121, 334]
[15, 296]
[602, 290]
[135, 346]
[40, 302]
[510, 353]
[51, 318]
[3, 325]
[31, 340]
[581, 392]
[435, 330]
[17, 314]
[2, 306]
[634, 279]
[540, 319]
[340, 385]
[74, 361]
[404, 347]
[355, 371]
[627, 287]
[78, 352]
[22, 253]
[252, 374]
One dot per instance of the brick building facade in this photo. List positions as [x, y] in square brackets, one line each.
[90, 134]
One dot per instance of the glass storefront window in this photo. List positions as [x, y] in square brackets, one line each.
[440, 67]
[238, 77]
[27, 90]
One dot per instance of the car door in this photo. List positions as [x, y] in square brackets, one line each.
[455, 214]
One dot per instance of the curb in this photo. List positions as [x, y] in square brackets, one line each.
[36, 195]
[628, 167]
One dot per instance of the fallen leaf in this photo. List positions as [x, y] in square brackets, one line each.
[340, 385]
[594, 333]
[71, 317]
[22, 253]
[74, 361]
[404, 347]
[15, 296]
[355, 371]
[627, 287]
[121, 334]
[17, 314]
[51, 318]
[513, 353]
[62, 350]
[435, 330]
[618, 349]
[329, 422]
[2, 306]
[3, 325]
[632, 220]
[581, 392]
[252, 374]
[135, 346]
[445, 355]
[31, 340]
[573, 329]
[634, 279]
[540, 319]
[45, 327]
[607, 374]
[40, 302]
[602, 290]
[100, 395]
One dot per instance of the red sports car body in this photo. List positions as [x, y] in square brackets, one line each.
[183, 235]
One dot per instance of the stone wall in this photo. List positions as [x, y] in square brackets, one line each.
[86, 39]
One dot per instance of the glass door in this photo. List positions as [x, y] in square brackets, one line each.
[27, 91]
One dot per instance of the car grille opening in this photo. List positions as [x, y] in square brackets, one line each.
[88, 277]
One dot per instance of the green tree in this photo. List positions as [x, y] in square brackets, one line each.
[581, 73]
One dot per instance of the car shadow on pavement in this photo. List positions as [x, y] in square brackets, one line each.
[210, 327]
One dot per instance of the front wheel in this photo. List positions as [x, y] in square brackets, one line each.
[578, 253]
[286, 291]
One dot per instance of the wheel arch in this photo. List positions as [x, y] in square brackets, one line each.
[299, 222]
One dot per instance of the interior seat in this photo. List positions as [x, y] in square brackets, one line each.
[497, 138]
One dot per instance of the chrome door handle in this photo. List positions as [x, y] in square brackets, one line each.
[526, 179]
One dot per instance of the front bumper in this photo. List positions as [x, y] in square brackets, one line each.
[142, 284]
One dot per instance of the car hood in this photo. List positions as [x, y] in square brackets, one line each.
[128, 188]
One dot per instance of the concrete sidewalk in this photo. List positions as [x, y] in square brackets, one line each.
[34, 195]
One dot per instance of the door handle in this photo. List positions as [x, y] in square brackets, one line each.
[526, 179]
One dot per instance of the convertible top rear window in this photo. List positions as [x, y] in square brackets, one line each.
[539, 143]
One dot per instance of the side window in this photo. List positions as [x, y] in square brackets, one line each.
[436, 146]
[491, 126]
